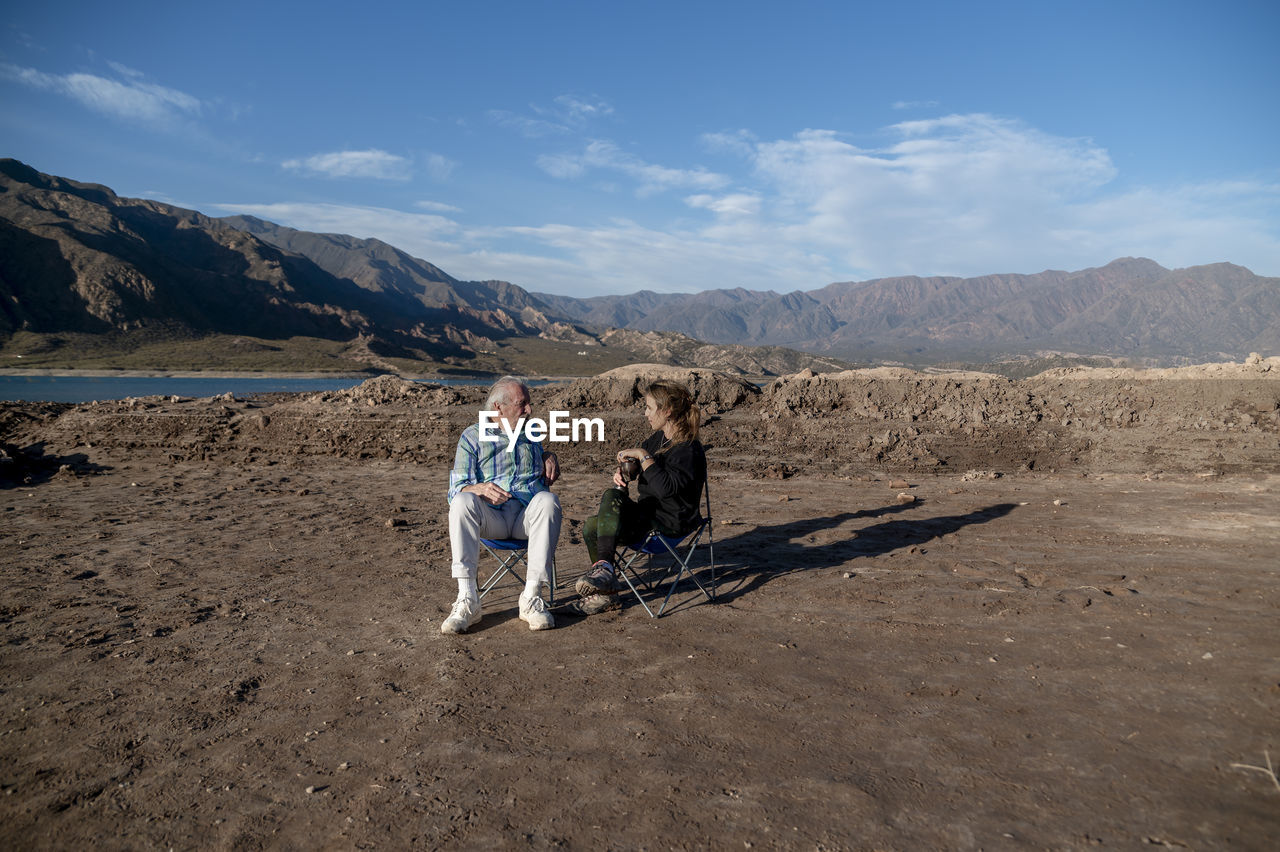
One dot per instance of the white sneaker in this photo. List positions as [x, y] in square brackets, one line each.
[466, 612]
[534, 611]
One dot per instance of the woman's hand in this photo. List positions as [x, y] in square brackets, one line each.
[618, 480]
[633, 453]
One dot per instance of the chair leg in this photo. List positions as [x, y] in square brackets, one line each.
[624, 571]
[505, 567]
[684, 569]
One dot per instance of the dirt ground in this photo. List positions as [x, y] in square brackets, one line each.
[952, 613]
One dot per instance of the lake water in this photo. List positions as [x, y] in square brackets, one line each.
[89, 388]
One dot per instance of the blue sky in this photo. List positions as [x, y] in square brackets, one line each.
[589, 148]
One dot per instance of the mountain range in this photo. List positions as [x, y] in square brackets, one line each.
[1131, 308]
[89, 278]
[83, 270]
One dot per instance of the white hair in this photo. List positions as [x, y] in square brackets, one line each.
[500, 391]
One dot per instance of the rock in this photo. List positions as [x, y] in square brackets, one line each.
[899, 483]
[905, 499]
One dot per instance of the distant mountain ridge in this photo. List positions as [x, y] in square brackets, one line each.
[75, 257]
[1132, 307]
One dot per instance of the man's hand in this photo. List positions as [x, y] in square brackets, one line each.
[489, 492]
[550, 468]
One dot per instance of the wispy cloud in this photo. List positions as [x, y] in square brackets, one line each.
[650, 178]
[528, 126]
[130, 99]
[567, 114]
[578, 110]
[734, 204]
[424, 235]
[437, 207]
[372, 163]
[915, 104]
[439, 167]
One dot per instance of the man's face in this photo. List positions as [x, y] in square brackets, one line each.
[519, 407]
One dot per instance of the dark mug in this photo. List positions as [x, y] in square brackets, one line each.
[629, 468]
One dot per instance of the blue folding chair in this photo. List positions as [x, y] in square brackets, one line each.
[681, 549]
[510, 552]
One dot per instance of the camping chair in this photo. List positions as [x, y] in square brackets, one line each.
[681, 549]
[515, 550]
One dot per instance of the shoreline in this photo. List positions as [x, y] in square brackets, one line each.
[53, 373]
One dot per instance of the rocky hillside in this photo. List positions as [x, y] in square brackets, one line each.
[88, 278]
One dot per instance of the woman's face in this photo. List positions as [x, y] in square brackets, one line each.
[657, 417]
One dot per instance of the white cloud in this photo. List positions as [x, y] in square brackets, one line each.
[372, 163]
[734, 204]
[578, 110]
[973, 194]
[437, 207]
[131, 99]
[439, 167]
[125, 71]
[650, 178]
[914, 104]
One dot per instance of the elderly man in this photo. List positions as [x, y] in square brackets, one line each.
[501, 490]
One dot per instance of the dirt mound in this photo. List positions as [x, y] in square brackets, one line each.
[713, 390]
[1253, 367]
[388, 390]
[845, 423]
[1210, 417]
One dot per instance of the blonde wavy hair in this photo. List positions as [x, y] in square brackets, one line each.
[675, 399]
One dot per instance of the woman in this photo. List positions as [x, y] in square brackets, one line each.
[673, 468]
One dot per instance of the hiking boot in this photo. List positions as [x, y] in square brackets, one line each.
[592, 604]
[466, 612]
[598, 581]
[534, 611]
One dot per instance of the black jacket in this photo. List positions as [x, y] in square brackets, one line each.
[671, 488]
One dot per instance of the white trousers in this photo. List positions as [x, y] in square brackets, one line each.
[471, 519]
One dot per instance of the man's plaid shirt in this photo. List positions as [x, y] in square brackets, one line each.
[519, 472]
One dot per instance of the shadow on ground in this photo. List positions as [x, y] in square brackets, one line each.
[753, 558]
[28, 466]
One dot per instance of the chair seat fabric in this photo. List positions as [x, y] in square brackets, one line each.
[506, 543]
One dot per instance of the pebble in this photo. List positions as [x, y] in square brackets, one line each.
[904, 498]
